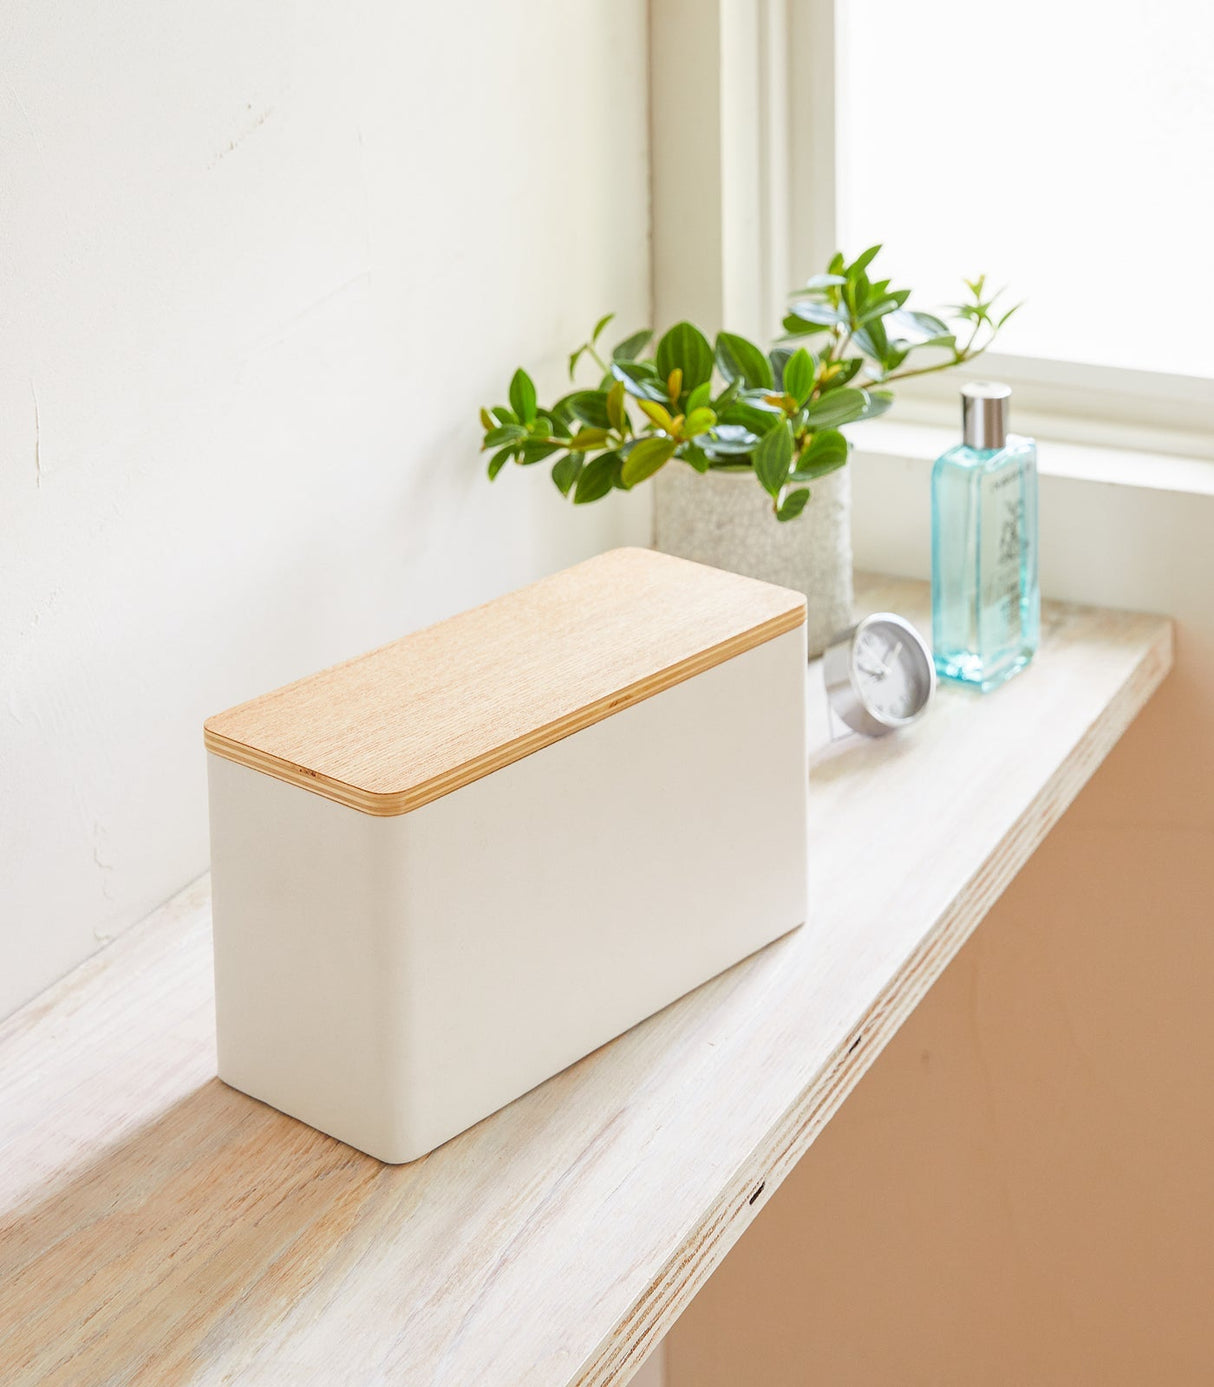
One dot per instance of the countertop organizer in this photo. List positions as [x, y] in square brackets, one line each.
[448, 869]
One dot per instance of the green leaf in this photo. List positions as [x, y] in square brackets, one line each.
[566, 471]
[596, 479]
[739, 359]
[928, 323]
[855, 294]
[555, 422]
[918, 329]
[862, 262]
[590, 406]
[587, 438]
[698, 421]
[696, 457]
[522, 396]
[486, 419]
[793, 504]
[772, 458]
[779, 358]
[646, 457]
[797, 326]
[729, 440]
[847, 370]
[700, 397]
[1014, 309]
[873, 341]
[631, 347]
[815, 282]
[839, 407]
[499, 460]
[811, 472]
[821, 314]
[641, 380]
[536, 450]
[600, 325]
[574, 358]
[615, 408]
[686, 348]
[878, 402]
[878, 308]
[508, 433]
[656, 413]
[827, 452]
[799, 372]
[503, 415]
[749, 416]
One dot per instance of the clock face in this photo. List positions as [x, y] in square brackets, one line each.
[892, 669]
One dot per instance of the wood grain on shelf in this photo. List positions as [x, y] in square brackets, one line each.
[402, 725]
[157, 1227]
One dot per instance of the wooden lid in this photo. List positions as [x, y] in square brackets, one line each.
[416, 719]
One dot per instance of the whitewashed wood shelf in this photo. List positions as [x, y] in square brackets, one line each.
[156, 1226]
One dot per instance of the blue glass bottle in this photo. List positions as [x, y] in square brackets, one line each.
[986, 604]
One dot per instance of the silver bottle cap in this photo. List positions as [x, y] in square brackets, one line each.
[984, 411]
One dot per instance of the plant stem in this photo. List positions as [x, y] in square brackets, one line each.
[851, 332]
[967, 353]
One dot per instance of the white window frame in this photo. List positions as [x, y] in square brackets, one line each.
[744, 130]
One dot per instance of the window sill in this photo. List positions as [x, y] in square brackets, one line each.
[906, 441]
[268, 1242]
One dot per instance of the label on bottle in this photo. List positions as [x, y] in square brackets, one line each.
[1002, 543]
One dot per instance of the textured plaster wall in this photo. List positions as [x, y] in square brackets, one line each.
[258, 266]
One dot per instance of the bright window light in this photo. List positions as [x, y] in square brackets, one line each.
[1061, 146]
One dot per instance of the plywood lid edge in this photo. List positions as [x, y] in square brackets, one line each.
[784, 617]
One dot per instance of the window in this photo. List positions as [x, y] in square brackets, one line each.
[1065, 146]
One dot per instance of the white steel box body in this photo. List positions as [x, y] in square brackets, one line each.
[392, 980]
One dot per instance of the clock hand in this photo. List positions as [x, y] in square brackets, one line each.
[891, 657]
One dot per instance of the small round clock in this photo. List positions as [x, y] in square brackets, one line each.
[879, 674]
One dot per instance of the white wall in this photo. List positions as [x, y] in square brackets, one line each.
[259, 264]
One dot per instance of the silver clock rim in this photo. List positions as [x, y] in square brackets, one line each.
[843, 686]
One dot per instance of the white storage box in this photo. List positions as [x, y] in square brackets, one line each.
[446, 870]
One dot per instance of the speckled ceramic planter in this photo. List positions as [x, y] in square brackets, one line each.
[724, 519]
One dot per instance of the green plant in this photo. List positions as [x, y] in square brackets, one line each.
[731, 405]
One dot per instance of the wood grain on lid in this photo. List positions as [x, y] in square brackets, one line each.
[414, 720]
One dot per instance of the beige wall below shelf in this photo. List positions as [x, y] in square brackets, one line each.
[1022, 1181]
